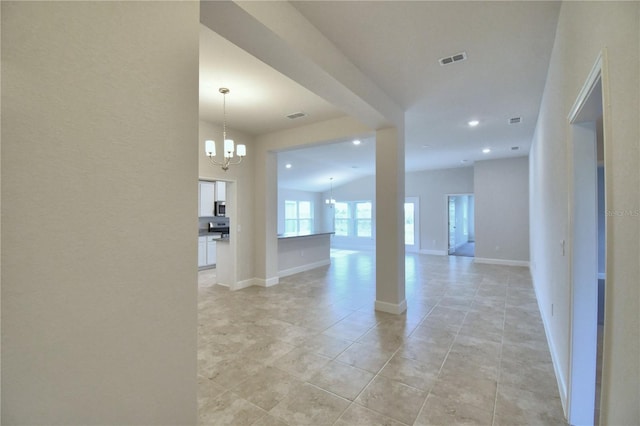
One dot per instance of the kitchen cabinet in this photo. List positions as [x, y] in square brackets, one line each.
[206, 251]
[202, 251]
[211, 251]
[221, 191]
[206, 198]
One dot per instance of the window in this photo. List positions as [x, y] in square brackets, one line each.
[363, 219]
[298, 217]
[342, 221]
[353, 219]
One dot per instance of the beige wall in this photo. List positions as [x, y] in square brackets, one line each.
[99, 131]
[502, 209]
[242, 211]
[432, 187]
[584, 29]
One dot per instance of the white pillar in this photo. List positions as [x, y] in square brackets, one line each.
[390, 281]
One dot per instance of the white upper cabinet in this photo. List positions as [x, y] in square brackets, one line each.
[206, 191]
[221, 191]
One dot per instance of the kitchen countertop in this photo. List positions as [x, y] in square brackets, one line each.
[297, 235]
[205, 233]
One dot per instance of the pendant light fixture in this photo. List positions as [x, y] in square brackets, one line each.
[228, 145]
[330, 201]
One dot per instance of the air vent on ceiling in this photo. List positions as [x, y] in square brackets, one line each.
[515, 148]
[453, 58]
[295, 115]
[515, 120]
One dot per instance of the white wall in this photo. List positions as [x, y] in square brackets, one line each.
[584, 28]
[502, 209]
[99, 212]
[296, 195]
[432, 187]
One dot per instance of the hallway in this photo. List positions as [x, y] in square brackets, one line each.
[311, 350]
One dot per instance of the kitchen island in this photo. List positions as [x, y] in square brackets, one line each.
[302, 252]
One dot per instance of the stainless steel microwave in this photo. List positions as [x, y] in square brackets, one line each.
[220, 208]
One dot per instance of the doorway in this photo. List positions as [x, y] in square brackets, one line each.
[412, 224]
[587, 247]
[461, 225]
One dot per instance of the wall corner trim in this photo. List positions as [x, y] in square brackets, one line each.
[268, 282]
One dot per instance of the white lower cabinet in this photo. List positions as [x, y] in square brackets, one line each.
[202, 251]
[211, 251]
[206, 251]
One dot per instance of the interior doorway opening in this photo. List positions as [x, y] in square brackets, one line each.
[412, 224]
[461, 225]
[587, 242]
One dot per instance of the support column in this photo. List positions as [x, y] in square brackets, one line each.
[390, 281]
[266, 239]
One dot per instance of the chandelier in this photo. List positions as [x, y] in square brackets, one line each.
[330, 201]
[228, 147]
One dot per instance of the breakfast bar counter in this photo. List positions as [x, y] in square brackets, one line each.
[302, 252]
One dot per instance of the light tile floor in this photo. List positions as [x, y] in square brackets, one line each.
[470, 349]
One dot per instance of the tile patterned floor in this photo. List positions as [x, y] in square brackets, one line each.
[471, 349]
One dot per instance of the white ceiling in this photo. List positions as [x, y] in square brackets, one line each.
[398, 44]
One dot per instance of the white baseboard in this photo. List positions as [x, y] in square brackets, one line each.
[434, 252]
[562, 386]
[502, 262]
[303, 268]
[260, 282]
[243, 284]
[392, 308]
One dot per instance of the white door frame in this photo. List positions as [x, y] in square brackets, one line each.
[583, 241]
[446, 218]
[416, 224]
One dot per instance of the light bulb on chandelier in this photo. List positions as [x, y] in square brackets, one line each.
[330, 201]
[228, 145]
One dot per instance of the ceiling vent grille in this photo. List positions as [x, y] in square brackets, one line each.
[454, 58]
[295, 115]
[515, 120]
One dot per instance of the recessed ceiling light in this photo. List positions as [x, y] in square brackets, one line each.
[486, 150]
[426, 146]
[288, 165]
[356, 142]
[473, 123]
